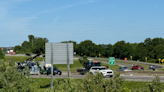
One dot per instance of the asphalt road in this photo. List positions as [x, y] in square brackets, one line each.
[157, 66]
[126, 77]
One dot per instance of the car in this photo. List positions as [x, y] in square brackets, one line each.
[123, 69]
[137, 67]
[28, 54]
[56, 71]
[101, 69]
[151, 67]
[34, 70]
[43, 56]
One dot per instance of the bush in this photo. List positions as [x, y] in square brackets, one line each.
[91, 83]
[13, 81]
[2, 55]
[156, 85]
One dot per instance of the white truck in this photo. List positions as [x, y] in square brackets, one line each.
[102, 69]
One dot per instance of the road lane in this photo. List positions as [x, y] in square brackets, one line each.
[126, 77]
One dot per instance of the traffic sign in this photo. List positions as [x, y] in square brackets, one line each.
[111, 60]
[162, 60]
[99, 55]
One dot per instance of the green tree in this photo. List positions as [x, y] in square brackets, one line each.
[2, 55]
[159, 51]
[122, 49]
[39, 45]
[109, 50]
[17, 49]
[141, 52]
[156, 85]
[87, 47]
[13, 81]
[74, 44]
[31, 38]
[83, 60]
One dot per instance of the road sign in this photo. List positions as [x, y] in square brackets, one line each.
[159, 60]
[59, 53]
[162, 60]
[99, 55]
[111, 60]
[146, 58]
[131, 57]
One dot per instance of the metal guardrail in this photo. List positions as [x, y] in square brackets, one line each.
[142, 72]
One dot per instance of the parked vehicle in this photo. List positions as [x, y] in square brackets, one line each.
[56, 71]
[28, 54]
[151, 67]
[101, 69]
[123, 69]
[137, 67]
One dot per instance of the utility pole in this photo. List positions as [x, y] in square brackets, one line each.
[32, 42]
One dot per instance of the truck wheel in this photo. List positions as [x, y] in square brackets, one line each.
[111, 76]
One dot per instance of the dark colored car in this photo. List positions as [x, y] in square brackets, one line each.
[28, 54]
[123, 69]
[56, 71]
[137, 67]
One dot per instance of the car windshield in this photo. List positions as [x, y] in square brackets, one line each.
[96, 64]
[125, 67]
[56, 69]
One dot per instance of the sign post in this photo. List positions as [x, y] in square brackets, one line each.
[131, 57]
[68, 66]
[99, 55]
[52, 66]
[159, 60]
[111, 60]
[146, 59]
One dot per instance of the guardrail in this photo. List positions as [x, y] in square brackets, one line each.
[153, 73]
[159, 73]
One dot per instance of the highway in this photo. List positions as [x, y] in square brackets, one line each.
[121, 62]
[125, 63]
[126, 77]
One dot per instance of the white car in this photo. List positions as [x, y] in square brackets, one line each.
[102, 69]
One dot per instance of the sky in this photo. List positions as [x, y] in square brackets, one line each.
[101, 21]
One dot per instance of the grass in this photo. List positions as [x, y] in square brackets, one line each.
[42, 84]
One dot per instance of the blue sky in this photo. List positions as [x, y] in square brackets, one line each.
[102, 21]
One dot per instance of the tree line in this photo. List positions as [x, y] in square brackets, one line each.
[153, 49]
